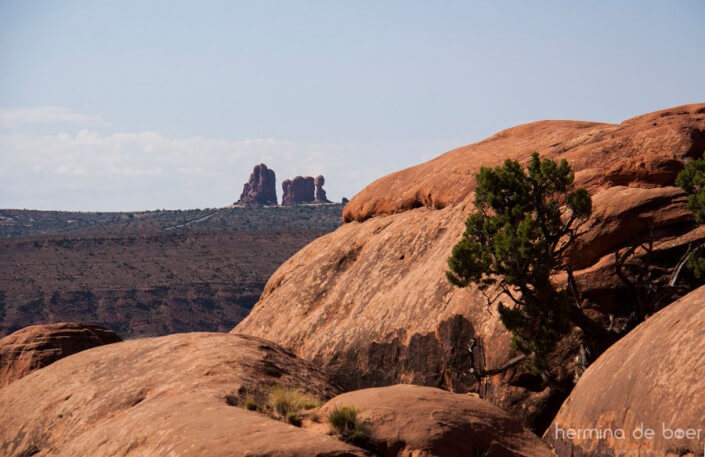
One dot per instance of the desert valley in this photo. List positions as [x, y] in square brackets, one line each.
[352, 228]
[158, 336]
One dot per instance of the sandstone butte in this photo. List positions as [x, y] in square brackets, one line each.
[370, 304]
[653, 378]
[260, 189]
[182, 394]
[37, 346]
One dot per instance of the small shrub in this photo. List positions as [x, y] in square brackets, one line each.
[294, 419]
[251, 404]
[344, 422]
[285, 400]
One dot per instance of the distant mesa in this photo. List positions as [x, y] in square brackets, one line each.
[261, 188]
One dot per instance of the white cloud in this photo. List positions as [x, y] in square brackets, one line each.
[11, 118]
[88, 170]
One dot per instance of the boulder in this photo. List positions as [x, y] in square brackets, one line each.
[371, 302]
[171, 395]
[320, 196]
[37, 346]
[260, 189]
[407, 420]
[653, 378]
[299, 190]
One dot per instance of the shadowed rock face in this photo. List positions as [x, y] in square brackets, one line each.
[655, 375]
[37, 346]
[364, 295]
[172, 395]
[261, 187]
[408, 420]
[298, 190]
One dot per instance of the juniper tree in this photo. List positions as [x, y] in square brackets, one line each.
[518, 237]
[641, 268]
[692, 180]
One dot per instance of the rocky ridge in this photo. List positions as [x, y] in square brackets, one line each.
[371, 301]
[184, 394]
[37, 346]
[174, 394]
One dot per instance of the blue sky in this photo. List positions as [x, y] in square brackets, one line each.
[129, 105]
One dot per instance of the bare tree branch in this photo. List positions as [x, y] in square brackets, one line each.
[512, 363]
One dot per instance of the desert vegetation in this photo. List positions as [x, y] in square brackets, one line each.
[517, 239]
[140, 279]
[692, 180]
[523, 233]
[23, 223]
[345, 423]
[288, 403]
[280, 402]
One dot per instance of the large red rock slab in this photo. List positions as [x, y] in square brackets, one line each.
[407, 420]
[370, 302]
[646, 150]
[172, 395]
[37, 346]
[653, 378]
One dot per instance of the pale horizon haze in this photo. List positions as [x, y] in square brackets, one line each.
[141, 105]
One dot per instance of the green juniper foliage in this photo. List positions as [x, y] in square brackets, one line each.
[525, 221]
[692, 180]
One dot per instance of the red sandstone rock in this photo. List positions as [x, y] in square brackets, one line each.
[371, 302]
[645, 151]
[320, 193]
[407, 420]
[172, 395]
[654, 377]
[298, 190]
[261, 187]
[37, 346]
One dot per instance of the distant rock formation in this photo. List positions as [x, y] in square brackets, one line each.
[299, 190]
[320, 193]
[304, 189]
[261, 188]
[344, 201]
[37, 346]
